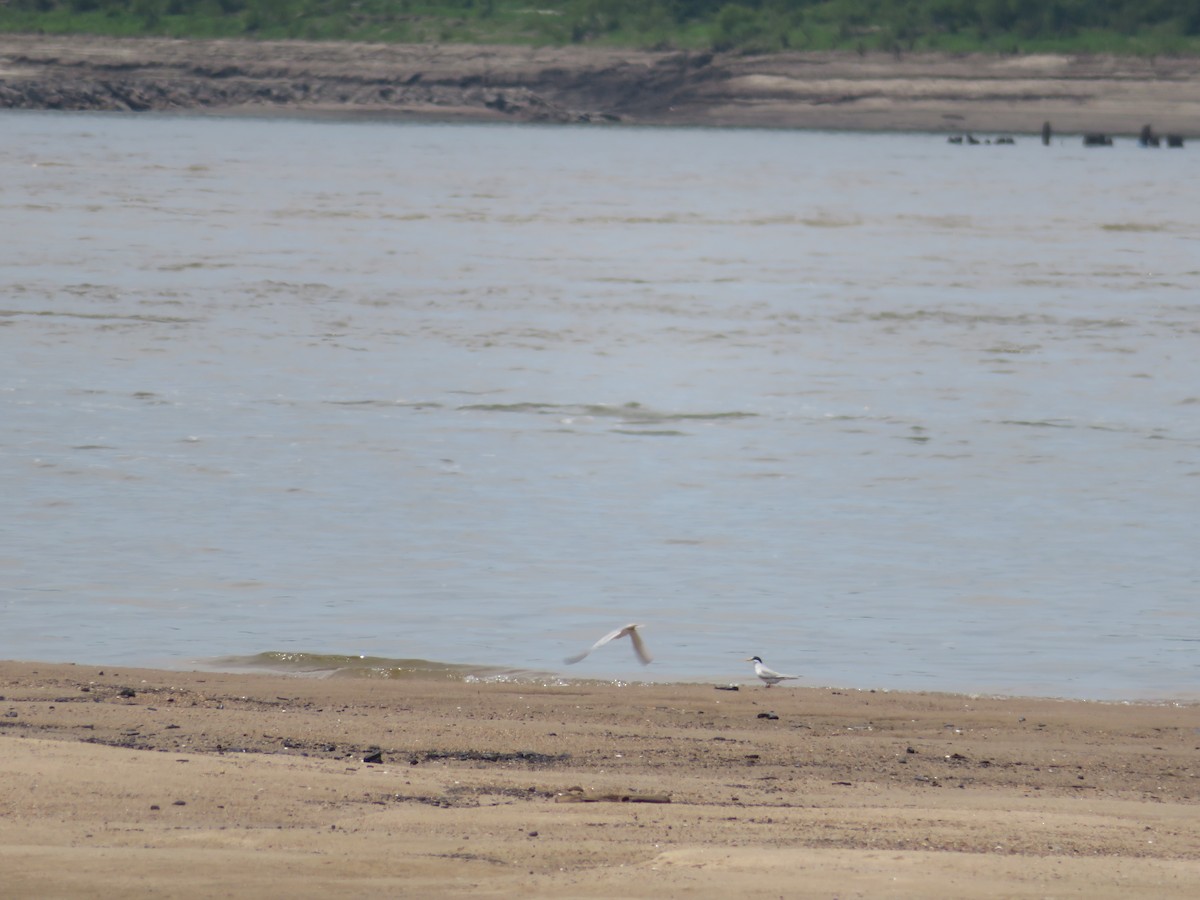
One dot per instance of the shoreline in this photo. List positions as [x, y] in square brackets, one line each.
[352, 668]
[369, 669]
[118, 782]
[939, 93]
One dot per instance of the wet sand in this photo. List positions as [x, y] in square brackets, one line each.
[876, 92]
[129, 782]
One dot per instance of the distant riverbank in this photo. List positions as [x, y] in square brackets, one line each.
[872, 92]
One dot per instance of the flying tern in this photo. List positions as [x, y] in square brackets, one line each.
[629, 630]
[769, 676]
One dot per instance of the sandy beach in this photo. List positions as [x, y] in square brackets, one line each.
[132, 782]
[845, 91]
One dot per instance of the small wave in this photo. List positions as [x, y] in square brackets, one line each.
[1100, 323]
[946, 222]
[403, 217]
[387, 404]
[784, 220]
[150, 398]
[194, 264]
[1039, 423]
[951, 317]
[1134, 227]
[106, 317]
[636, 413]
[650, 433]
[629, 413]
[1013, 349]
[334, 665]
[820, 220]
[510, 407]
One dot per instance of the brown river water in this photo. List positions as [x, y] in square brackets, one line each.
[885, 411]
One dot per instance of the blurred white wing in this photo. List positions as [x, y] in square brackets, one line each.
[571, 660]
[638, 646]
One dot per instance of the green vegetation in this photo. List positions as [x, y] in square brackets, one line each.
[1002, 26]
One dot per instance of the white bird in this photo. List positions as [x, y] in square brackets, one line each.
[632, 631]
[769, 676]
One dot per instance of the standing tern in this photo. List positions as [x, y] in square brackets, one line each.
[769, 676]
[631, 630]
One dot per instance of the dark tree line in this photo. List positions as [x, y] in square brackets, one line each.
[762, 25]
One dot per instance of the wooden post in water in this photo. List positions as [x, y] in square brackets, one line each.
[1045, 134]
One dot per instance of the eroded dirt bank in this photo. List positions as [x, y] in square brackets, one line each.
[499, 83]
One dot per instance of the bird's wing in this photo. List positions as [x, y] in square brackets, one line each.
[612, 635]
[763, 670]
[639, 647]
[571, 660]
